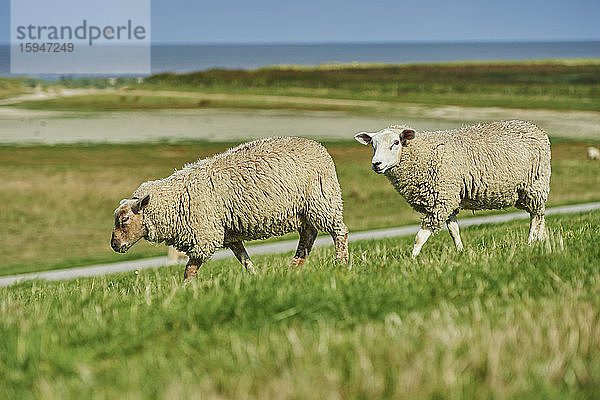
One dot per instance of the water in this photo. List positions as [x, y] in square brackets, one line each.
[187, 58]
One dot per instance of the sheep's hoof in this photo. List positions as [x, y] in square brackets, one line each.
[297, 262]
[342, 260]
[250, 268]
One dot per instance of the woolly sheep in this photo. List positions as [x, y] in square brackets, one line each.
[593, 153]
[487, 166]
[257, 190]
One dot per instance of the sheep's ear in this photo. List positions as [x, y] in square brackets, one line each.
[140, 204]
[407, 134]
[363, 138]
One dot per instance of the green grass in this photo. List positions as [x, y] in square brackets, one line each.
[558, 85]
[524, 85]
[57, 201]
[500, 320]
[13, 86]
[127, 101]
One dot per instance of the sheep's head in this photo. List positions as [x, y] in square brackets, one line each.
[129, 224]
[387, 145]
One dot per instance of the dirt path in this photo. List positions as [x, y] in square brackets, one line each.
[26, 126]
[277, 247]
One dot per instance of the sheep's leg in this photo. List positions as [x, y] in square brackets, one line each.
[340, 242]
[240, 253]
[174, 256]
[452, 224]
[542, 232]
[191, 269]
[308, 234]
[537, 228]
[420, 240]
[532, 228]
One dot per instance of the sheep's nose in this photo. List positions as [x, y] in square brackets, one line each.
[114, 244]
[376, 165]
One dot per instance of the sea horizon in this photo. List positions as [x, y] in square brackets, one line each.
[190, 57]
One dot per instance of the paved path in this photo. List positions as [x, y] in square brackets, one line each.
[277, 247]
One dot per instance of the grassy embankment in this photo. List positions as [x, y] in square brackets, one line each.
[500, 320]
[57, 201]
[558, 85]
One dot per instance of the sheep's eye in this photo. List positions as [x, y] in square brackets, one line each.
[396, 143]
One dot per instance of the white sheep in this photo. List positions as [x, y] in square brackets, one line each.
[487, 166]
[257, 190]
[593, 153]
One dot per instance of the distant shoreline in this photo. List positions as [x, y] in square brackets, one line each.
[188, 57]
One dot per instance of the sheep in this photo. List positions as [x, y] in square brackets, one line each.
[486, 166]
[593, 153]
[256, 190]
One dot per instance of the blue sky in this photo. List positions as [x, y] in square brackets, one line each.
[309, 21]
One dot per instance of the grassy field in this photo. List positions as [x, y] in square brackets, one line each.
[500, 320]
[525, 84]
[12, 87]
[129, 100]
[558, 85]
[57, 201]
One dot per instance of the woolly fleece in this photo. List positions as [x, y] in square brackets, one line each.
[487, 166]
[257, 190]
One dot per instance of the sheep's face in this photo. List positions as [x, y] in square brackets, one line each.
[129, 224]
[387, 146]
